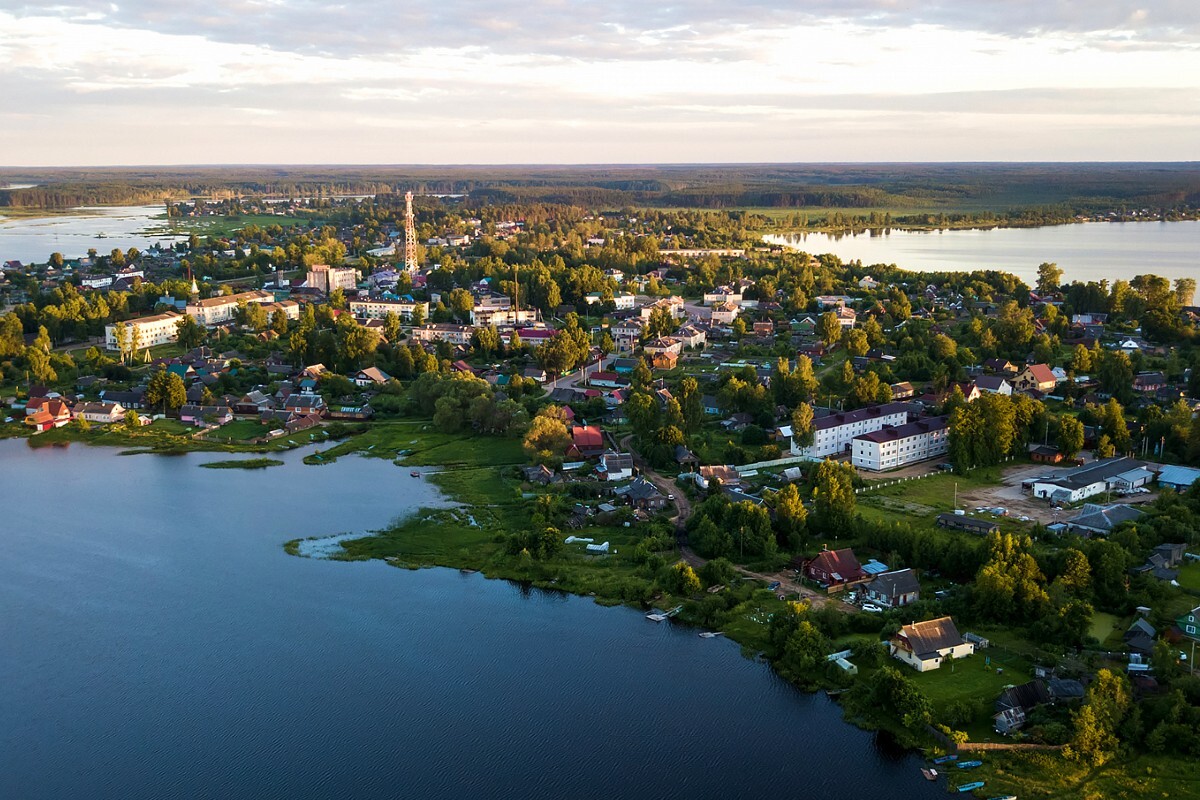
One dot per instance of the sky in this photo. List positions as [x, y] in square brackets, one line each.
[624, 81]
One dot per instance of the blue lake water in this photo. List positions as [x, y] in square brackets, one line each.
[1090, 251]
[158, 643]
[33, 239]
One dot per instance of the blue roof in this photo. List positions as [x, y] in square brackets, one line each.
[1179, 476]
[874, 567]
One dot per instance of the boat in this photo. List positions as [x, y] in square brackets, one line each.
[970, 787]
[711, 634]
[945, 759]
[930, 774]
[415, 474]
[969, 764]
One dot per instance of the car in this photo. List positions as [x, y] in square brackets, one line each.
[872, 608]
[670, 497]
[774, 586]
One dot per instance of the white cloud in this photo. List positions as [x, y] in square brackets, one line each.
[745, 91]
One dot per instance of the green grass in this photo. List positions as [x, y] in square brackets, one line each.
[240, 430]
[1189, 576]
[1103, 625]
[249, 463]
[1049, 776]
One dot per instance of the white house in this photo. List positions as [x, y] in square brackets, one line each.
[103, 413]
[925, 645]
[1071, 486]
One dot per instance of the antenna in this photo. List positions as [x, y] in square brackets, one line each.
[410, 235]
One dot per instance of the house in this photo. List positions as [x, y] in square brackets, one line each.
[1035, 377]
[357, 413]
[1095, 519]
[835, 569]
[902, 390]
[894, 589]
[644, 495]
[540, 474]
[371, 376]
[253, 402]
[665, 360]
[685, 457]
[51, 410]
[205, 416]
[615, 466]
[993, 384]
[846, 317]
[304, 403]
[1163, 560]
[925, 645]
[1016, 702]
[587, 441]
[727, 476]
[1044, 454]
[101, 412]
[1149, 381]
[961, 522]
[1000, 366]
[1140, 637]
[725, 313]
[1189, 623]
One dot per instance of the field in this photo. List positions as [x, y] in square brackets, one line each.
[1043, 776]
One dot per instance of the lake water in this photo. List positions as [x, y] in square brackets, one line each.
[158, 643]
[1088, 251]
[33, 239]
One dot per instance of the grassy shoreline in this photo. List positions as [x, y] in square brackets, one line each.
[249, 463]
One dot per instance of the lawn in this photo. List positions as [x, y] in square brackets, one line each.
[1051, 777]
[1102, 626]
[1189, 576]
[240, 430]
[973, 677]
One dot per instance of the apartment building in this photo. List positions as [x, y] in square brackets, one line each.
[218, 310]
[144, 332]
[378, 309]
[894, 447]
[327, 278]
[834, 433]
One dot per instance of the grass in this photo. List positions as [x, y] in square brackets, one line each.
[1189, 576]
[240, 430]
[1102, 625]
[1048, 776]
[249, 463]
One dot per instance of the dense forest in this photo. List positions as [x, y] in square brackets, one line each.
[991, 192]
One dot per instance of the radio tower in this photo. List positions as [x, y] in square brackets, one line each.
[410, 236]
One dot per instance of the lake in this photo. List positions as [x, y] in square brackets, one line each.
[158, 643]
[33, 239]
[1087, 251]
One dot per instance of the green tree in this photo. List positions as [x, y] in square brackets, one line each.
[547, 437]
[802, 425]
[691, 404]
[1070, 436]
[165, 389]
[1049, 277]
[392, 328]
[791, 517]
[829, 328]
[833, 497]
[191, 333]
[132, 421]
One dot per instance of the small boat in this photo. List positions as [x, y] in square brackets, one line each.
[415, 474]
[711, 634]
[970, 787]
[945, 759]
[969, 764]
[930, 774]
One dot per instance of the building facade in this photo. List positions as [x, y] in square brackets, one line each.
[144, 332]
[833, 434]
[894, 447]
[378, 309]
[214, 311]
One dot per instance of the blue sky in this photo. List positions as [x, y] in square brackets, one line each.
[552, 81]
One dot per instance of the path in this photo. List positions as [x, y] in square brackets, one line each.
[788, 583]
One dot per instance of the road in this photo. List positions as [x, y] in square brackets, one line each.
[788, 583]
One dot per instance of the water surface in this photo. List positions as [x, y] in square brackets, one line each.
[1087, 251]
[158, 643]
[33, 239]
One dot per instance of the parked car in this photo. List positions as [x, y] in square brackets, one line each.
[872, 608]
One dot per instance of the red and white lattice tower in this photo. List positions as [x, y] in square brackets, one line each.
[410, 235]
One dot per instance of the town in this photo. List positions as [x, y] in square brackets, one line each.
[966, 506]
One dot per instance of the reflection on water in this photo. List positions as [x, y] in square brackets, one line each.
[33, 239]
[1091, 251]
[158, 643]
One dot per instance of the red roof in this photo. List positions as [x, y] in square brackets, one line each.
[1041, 373]
[587, 437]
[839, 563]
